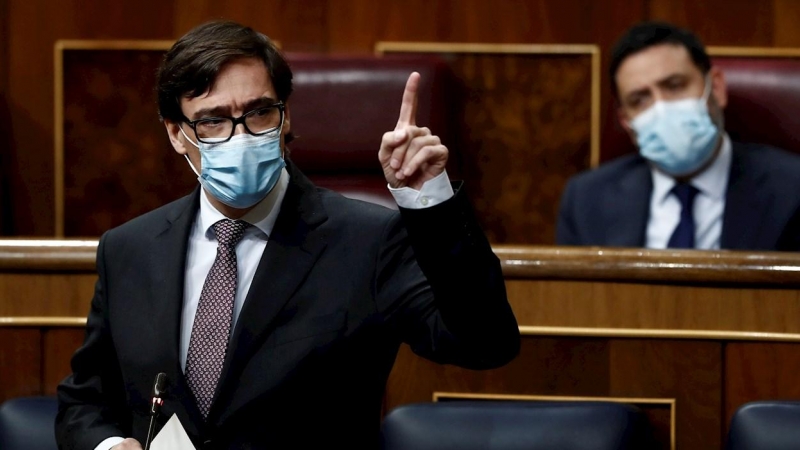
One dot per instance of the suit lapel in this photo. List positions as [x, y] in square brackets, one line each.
[628, 208]
[167, 270]
[292, 250]
[746, 204]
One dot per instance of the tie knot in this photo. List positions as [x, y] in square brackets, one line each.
[229, 232]
[685, 193]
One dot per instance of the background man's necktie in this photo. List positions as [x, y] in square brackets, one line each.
[212, 321]
[683, 236]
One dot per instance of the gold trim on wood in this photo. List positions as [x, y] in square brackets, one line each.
[655, 333]
[58, 152]
[81, 44]
[42, 321]
[754, 52]
[382, 48]
[445, 47]
[58, 63]
[670, 402]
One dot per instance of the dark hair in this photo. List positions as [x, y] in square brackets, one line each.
[648, 34]
[191, 66]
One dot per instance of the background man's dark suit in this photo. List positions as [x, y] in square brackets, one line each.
[610, 206]
[338, 288]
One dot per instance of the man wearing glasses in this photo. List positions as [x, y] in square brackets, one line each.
[274, 307]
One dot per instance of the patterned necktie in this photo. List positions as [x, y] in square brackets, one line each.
[683, 236]
[212, 321]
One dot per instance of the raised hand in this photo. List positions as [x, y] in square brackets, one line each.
[411, 155]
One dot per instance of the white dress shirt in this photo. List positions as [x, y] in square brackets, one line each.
[202, 249]
[708, 208]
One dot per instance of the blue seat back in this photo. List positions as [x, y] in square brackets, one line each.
[773, 425]
[28, 423]
[516, 425]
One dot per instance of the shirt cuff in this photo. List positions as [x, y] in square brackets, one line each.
[108, 443]
[434, 191]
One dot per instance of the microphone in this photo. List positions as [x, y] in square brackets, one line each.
[159, 389]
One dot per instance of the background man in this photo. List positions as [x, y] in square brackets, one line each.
[276, 308]
[689, 186]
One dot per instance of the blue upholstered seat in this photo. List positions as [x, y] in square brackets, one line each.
[516, 425]
[28, 423]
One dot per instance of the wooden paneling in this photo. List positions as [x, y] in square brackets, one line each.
[525, 129]
[720, 22]
[760, 371]
[689, 372]
[353, 24]
[46, 278]
[21, 362]
[58, 345]
[60, 295]
[786, 16]
[325, 26]
[30, 85]
[117, 159]
[350, 26]
[545, 366]
[5, 126]
[619, 305]
[299, 26]
[601, 323]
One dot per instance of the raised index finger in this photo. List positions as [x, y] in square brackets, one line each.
[408, 109]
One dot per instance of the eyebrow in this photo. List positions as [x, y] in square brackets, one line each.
[671, 78]
[663, 81]
[224, 110]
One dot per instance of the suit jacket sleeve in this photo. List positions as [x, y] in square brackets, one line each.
[789, 241]
[566, 233]
[441, 288]
[91, 401]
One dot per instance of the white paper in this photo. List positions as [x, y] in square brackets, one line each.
[172, 437]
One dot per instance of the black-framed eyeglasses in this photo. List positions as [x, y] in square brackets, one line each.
[258, 122]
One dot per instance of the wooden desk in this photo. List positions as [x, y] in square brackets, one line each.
[687, 336]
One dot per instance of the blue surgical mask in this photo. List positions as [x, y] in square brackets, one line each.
[241, 171]
[678, 137]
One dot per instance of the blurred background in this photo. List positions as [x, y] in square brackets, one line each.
[515, 206]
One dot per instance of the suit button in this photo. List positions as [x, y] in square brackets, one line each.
[207, 445]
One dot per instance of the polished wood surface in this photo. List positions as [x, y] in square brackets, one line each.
[21, 360]
[47, 255]
[634, 264]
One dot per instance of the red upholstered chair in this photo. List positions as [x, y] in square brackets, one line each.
[763, 104]
[341, 106]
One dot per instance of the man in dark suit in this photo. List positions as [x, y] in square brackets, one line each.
[274, 307]
[689, 186]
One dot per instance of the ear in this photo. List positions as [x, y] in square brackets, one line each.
[622, 116]
[287, 120]
[719, 87]
[287, 128]
[176, 138]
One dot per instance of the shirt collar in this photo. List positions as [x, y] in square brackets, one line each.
[262, 217]
[712, 182]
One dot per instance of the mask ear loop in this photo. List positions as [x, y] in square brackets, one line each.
[706, 89]
[185, 155]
